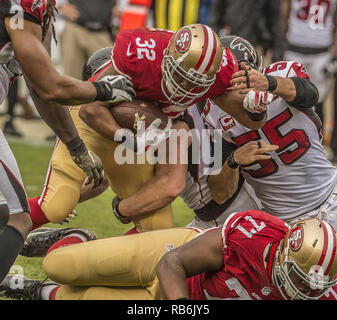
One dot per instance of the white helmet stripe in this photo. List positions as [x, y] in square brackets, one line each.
[207, 53]
[329, 248]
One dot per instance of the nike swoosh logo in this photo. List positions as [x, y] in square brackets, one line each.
[128, 53]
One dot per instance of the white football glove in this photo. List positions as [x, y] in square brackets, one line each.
[257, 101]
[114, 89]
[149, 138]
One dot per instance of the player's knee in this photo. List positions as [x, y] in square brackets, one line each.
[4, 215]
[60, 267]
[59, 205]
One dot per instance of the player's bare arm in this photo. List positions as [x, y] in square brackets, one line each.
[285, 87]
[298, 91]
[55, 115]
[232, 103]
[185, 261]
[47, 82]
[36, 63]
[100, 119]
[167, 183]
[224, 185]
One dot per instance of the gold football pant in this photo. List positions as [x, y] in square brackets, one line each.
[116, 268]
[65, 178]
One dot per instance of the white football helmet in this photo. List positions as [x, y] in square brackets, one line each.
[193, 56]
[306, 262]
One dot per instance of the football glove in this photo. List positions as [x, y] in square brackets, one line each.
[119, 216]
[114, 89]
[257, 101]
[149, 138]
[91, 164]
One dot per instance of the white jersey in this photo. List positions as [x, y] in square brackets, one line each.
[311, 23]
[197, 194]
[298, 178]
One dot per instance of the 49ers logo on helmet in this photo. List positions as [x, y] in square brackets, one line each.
[183, 40]
[296, 238]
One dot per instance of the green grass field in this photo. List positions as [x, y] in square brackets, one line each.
[95, 214]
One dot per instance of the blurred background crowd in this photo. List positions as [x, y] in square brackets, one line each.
[302, 30]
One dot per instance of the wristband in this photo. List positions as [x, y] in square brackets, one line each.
[101, 90]
[272, 83]
[116, 209]
[76, 146]
[256, 116]
[231, 162]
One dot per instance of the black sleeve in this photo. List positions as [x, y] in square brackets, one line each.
[306, 94]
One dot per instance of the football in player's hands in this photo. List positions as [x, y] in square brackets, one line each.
[130, 115]
[144, 124]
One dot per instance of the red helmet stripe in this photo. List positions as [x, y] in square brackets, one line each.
[208, 50]
[329, 248]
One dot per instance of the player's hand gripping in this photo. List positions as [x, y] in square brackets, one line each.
[253, 151]
[257, 101]
[145, 138]
[248, 79]
[90, 163]
[114, 89]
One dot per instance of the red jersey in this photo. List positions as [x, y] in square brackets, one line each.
[138, 54]
[249, 241]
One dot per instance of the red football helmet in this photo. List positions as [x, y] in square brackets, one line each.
[190, 63]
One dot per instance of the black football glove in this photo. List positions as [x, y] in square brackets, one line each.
[119, 216]
[114, 89]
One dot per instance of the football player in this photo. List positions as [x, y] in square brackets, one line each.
[174, 69]
[190, 179]
[203, 62]
[252, 256]
[25, 38]
[297, 181]
[65, 184]
[191, 182]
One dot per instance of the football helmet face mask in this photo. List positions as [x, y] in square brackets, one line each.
[306, 263]
[190, 63]
[96, 62]
[243, 51]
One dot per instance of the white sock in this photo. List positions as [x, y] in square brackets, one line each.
[46, 291]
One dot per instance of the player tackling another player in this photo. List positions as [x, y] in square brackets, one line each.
[152, 60]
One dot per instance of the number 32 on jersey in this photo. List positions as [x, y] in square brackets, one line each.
[145, 49]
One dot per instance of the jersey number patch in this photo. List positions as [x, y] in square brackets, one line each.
[145, 49]
[292, 145]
